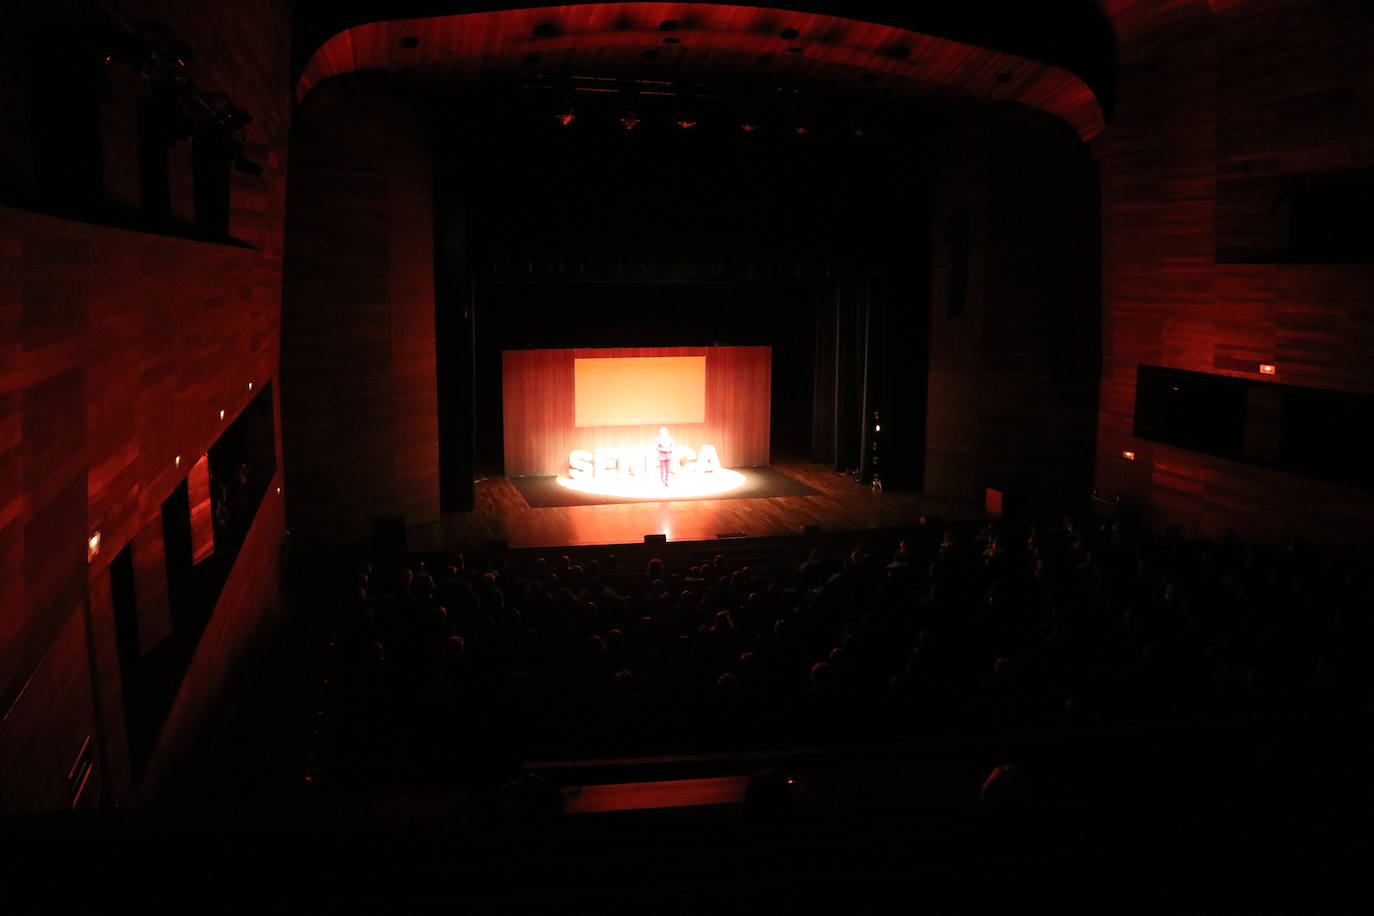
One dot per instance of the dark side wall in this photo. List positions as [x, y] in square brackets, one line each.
[1013, 314]
[1219, 106]
[359, 389]
[118, 351]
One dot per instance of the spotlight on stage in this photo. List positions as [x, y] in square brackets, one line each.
[683, 486]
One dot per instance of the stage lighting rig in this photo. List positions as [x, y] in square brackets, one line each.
[164, 61]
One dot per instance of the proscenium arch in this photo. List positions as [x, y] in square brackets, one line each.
[691, 40]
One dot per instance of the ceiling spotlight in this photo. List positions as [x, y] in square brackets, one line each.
[564, 118]
[630, 121]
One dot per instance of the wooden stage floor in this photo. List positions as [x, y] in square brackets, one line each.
[840, 505]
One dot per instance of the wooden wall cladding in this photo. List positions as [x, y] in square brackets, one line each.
[537, 394]
[246, 609]
[118, 350]
[36, 762]
[1013, 367]
[1207, 97]
[359, 387]
[717, 40]
[202, 509]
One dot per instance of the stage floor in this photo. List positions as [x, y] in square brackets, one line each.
[839, 504]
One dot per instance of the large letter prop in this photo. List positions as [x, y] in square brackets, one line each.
[638, 462]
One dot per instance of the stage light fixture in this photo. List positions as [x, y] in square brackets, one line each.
[1268, 369]
[686, 124]
[748, 127]
[250, 386]
[1128, 455]
[221, 414]
[92, 546]
[176, 462]
[630, 121]
[565, 118]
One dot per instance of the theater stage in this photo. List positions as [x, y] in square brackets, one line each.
[838, 503]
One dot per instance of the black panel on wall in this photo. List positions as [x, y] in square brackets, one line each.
[64, 107]
[454, 335]
[1312, 432]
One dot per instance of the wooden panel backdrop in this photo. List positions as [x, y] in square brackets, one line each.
[1210, 103]
[118, 350]
[538, 400]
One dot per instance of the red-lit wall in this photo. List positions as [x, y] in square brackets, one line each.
[118, 349]
[538, 394]
[359, 389]
[1214, 107]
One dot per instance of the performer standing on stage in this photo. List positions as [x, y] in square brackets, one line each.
[665, 446]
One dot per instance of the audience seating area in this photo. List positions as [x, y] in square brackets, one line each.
[443, 672]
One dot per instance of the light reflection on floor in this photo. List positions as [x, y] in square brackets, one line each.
[680, 486]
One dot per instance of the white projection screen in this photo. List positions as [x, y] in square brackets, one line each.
[639, 391]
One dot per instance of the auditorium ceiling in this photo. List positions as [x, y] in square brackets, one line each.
[670, 48]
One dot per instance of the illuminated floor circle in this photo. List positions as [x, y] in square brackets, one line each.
[682, 486]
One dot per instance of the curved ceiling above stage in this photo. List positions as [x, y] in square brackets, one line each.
[689, 41]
